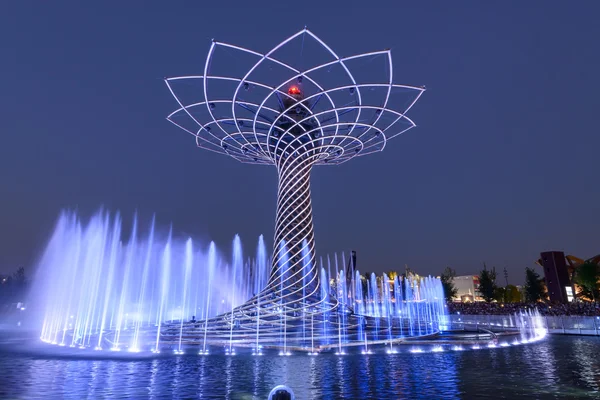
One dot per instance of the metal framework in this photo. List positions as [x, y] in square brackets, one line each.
[294, 123]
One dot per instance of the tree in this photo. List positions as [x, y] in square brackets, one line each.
[508, 294]
[512, 294]
[534, 286]
[487, 283]
[500, 294]
[447, 278]
[587, 276]
[523, 293]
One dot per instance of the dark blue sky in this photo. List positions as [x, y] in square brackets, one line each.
[504, 162]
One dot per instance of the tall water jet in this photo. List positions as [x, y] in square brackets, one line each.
[324, 302]
[376, 310]
[164, 291]
[386, 309]
[339, 296]
[399, 303]
[283, 274]
[306, 261]
[409, 303]
[125, 287]
[97, 244]
[212, 262]
[186, 282]
[114, 249]
[261, 265]
[237, 265]
[140, 304]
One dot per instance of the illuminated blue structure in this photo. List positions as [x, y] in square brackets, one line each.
[294, 120]
[280, 108]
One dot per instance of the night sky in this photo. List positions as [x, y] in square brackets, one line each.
[504, 162]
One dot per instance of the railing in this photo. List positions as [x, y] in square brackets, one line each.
[565, 325]
[573, 325]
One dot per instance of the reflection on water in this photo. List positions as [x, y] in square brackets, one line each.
[559, 367]
[588, 371]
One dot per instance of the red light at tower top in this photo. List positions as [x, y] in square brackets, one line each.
[294, 90]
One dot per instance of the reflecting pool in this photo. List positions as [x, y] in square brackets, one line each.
[558, 367]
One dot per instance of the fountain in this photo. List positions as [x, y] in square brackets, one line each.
[144, 293]
[92, 284]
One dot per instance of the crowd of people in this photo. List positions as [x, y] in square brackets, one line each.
[483, 308]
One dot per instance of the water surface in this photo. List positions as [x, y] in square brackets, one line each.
[558, 367]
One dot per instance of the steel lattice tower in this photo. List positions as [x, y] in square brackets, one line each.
[292, 118]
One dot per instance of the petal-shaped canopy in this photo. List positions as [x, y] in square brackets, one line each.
[252, 105]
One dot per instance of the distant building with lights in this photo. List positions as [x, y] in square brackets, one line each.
[556, 274]
[467, 287]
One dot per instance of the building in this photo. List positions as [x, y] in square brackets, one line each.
[467, 287]
[557, 278]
